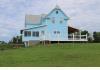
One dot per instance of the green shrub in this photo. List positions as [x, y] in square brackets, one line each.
[10, 46]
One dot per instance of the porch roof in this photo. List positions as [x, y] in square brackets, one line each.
[72, 30]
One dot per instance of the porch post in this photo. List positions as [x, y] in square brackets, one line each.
[28, 44]
[25, 44]
[58, 38]
[44, 40]
[80, 34]
[73, 37]
[86, 37]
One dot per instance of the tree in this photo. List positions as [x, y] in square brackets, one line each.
[96, 36]
[16, 40]
[3, 42]
[85, 32]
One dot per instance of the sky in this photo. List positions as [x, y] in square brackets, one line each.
[84, 14]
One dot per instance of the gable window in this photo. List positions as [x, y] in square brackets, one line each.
[54, 32]
[56, 12]
[27, 33]
[61, 20]
[35, 33]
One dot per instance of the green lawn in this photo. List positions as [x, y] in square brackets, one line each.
[84, 54]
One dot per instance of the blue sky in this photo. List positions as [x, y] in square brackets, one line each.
[84, 14]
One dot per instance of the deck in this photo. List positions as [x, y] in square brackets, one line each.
[71, 37]
[77, 37]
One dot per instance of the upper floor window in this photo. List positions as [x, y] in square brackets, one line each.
[27, 33]
[53, 20]
[61, 21]
[58, 32]
[65, 19]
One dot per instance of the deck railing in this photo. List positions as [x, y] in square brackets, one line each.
[74, 37]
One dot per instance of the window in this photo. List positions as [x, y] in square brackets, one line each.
[61, 21]
[65, 19]
[27, 33]
[56, 12]
[56, 32]
[42, 32]
[53, 20]
[35, 34]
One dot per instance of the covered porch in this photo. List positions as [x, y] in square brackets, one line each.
[75, 35]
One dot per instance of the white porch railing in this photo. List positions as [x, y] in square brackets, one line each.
[74, 37]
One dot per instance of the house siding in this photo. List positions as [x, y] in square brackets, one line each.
[59, 24]
[28, 38]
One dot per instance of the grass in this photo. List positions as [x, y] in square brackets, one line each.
[62, 55]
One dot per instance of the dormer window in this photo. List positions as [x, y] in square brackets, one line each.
[56, 12]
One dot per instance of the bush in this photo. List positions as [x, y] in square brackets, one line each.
[96, 36]
[10, 46]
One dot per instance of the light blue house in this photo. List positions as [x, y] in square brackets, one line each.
[49, 27]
